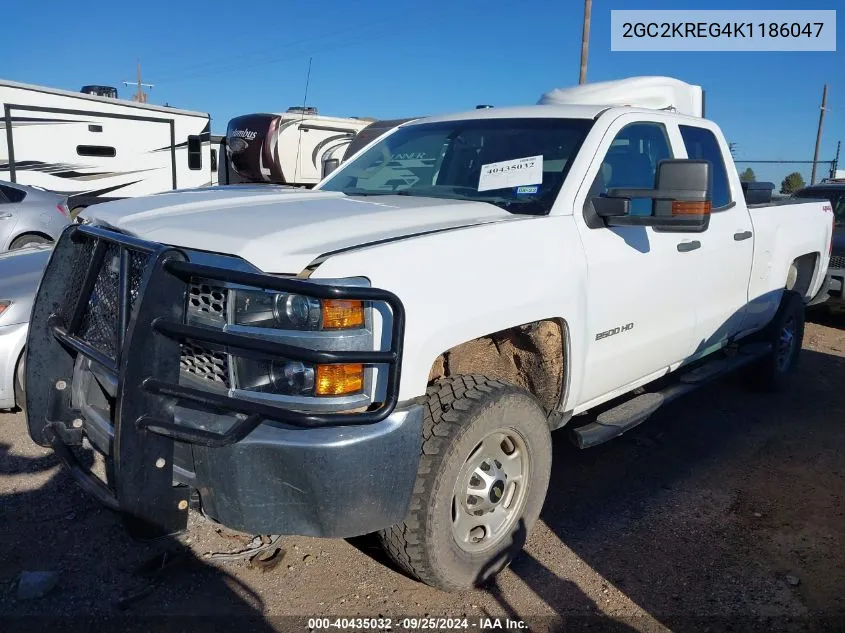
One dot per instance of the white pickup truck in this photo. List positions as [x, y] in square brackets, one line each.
[390, 351]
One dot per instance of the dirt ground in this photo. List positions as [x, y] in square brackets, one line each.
[722, 512]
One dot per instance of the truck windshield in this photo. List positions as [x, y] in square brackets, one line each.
[516, 164]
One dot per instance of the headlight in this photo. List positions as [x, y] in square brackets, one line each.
[285, 311]
[294, 319]
[285, 377]
[295, 378]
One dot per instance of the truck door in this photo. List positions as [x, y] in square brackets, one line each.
[724, 259]
[639, 317]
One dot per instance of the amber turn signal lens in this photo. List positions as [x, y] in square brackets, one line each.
[342, 314]
[690, 208]
[339, 380]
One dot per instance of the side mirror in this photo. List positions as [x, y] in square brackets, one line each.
[681, 198]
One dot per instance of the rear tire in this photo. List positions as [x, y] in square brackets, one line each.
[482, 479]
[786, 335]
[28, 240]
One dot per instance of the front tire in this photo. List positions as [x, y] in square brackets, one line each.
[786, 336]
[482, 479]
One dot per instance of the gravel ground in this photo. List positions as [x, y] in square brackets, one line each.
[723, 511]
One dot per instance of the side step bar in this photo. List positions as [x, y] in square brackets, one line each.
[623, 417]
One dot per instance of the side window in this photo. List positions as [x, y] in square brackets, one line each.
[10, 194]
[702, 144]
[632, 161]
[194, 152]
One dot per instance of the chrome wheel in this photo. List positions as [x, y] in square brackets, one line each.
[786, 344]
[490, 491]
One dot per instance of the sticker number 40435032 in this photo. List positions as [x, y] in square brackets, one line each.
[511, 173]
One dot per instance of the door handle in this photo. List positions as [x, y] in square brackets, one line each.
[742, 235]
[686, 247]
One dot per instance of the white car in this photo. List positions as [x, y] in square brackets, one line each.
[20, 272]
[390, 351]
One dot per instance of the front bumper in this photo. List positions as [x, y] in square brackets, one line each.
[12, 340]
[332, 482]
[103, 364]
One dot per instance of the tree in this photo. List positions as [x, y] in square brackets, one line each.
[792, 183]
[748, 175]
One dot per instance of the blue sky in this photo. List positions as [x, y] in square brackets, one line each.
[392, 59]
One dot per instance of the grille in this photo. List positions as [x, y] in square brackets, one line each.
[208, 300]
[205, 363]
[99, 322]
[837, 261]
[100, 318]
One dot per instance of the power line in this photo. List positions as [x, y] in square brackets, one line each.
[230, 62]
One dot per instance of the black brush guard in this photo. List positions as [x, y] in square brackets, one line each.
[140, 351]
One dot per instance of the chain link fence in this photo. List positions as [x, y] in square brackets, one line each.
[777, 170]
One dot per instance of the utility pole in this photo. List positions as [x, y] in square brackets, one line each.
[819, 135]
[585, 41]
[140, 95]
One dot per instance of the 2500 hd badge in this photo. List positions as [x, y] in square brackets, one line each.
[616, 330]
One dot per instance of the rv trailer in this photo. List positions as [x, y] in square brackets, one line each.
[287, 148]
[93, 148]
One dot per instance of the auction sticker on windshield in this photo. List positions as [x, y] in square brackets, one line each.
[511, 173]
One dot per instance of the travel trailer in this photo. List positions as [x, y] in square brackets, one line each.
[93, 147]
[287, 148]
[332, 160]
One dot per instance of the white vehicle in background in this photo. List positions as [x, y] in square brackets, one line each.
[93, 148]
[288, 148]
[20, 272]
[390, 351]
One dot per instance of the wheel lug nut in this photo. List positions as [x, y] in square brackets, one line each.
[477, 534]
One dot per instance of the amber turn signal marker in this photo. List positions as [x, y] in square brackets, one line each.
[690, 208]
[342, 314]
[339, 380]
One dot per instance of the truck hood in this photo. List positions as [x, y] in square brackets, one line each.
[283, 230]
